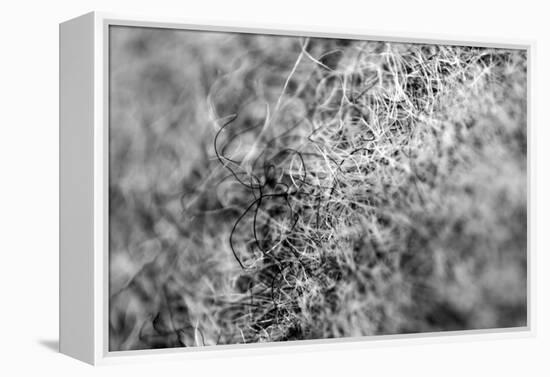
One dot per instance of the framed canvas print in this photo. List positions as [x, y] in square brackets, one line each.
[229, 188]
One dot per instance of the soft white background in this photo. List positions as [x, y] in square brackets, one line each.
[29, 184]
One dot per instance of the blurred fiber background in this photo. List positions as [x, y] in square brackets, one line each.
[267, 188]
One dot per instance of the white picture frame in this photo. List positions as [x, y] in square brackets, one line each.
[84, 202]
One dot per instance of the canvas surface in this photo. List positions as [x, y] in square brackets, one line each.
[267, 188]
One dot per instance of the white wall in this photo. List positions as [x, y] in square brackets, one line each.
[29, 185]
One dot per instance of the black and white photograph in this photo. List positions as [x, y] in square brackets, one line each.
[290, 188]
[267, 188]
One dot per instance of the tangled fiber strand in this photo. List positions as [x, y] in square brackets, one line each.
[346, 184]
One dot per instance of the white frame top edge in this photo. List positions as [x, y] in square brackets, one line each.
[310, 30]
